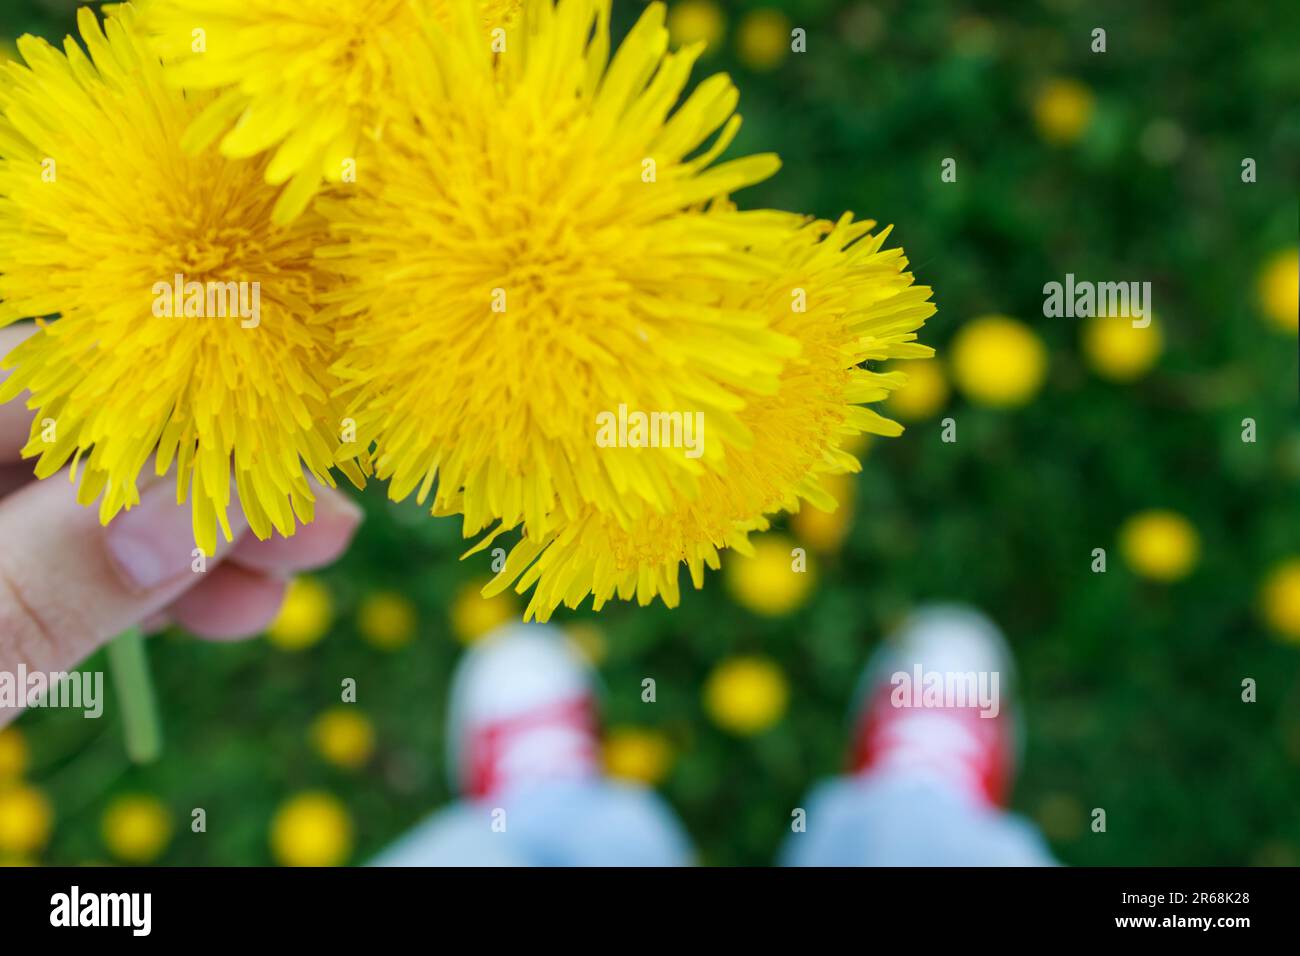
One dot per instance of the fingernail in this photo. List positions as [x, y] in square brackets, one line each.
[335, 505]
[153, 543]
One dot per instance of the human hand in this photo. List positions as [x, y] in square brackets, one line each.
[68, 585]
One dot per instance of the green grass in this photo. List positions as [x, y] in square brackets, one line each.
[1131, 690]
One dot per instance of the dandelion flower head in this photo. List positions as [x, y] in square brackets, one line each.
[539, 241]
[849, 302]
[302, 79]
[100, 212]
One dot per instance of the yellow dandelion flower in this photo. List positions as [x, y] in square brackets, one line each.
[136, 828]
[999, 362]
[311, 829]
[25, 820]
[633, 753]
[857, 445]
[696, 21]
[13, 754]
[1280, 599]
[473, 615]
[763, 39]
[746, 695]
[1116, 350]
[772, 580]
[186, 322]
[1160, 544]
[590, 641]
[304, 618]
[1279, 290]
[824, 529]
[544, 234]
[1062, 110]
[846, 301]
[387, 619]
[303, 80]
[974, 36]
[1061, 816]
[923, 394]
[344, 736]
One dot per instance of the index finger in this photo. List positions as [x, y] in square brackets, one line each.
[15, 417]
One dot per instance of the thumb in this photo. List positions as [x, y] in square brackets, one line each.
[68, 585]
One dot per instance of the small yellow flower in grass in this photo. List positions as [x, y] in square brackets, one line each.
[763, 39]
[1280, 599]
[1116, 350]
[924, 393]
[302, 79]
[311, 829]
[1062, 110]
[824, 530]
[305, 616]
[589, 639]
[746, 695]
[848, 302]
[634, 753]
[600, 282]
[857, 445]
[25, 819]
[1160, 544]
[344, 736]
[766, 581]
[1279, 290]
[1061, 816]
[387, 619]
[100, 212]
[13, 753]
[473, 615]
[1274, 853]
[136, 828]
[974, 36]
[696, 21]
[999, 362]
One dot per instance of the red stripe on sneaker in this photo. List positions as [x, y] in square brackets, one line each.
[489, 743]
[978, 753]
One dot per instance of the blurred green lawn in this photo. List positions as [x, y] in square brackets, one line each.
[1131, 688]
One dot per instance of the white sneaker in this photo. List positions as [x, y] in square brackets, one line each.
[521, 711]
[935, 702]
